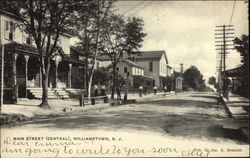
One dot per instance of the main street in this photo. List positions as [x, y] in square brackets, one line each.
[183, 119]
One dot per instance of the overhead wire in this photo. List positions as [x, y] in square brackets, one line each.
[232, 12]
[141, 9]
[133, 7]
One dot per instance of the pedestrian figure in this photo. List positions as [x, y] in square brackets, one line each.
[140, 91]
[165, 90]
[96, 90]
[155, 90]
[103, 90]
[145, 90]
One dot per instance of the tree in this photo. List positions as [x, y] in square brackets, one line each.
[45, 21]
[120, 37]
[134, 34]
[212, 80]
[12, 6]
[89, 21]
[242, 46]
[101, 76]
[193, 78]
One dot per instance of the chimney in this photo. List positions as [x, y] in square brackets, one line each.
[181, 68]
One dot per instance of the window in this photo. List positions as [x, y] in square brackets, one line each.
[29, 39]
[9, 30]
[117, 69]
[98, 64]
[125, 69]
[150, 67]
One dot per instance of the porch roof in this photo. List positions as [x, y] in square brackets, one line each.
[31, 50]
[235, 72]
[144, 77]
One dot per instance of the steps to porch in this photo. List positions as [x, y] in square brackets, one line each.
[53, 93]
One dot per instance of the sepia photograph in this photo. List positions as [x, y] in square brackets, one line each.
[124, 78]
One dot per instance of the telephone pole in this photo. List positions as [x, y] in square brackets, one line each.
[224, 35]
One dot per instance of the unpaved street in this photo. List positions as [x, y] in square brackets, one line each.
[188, 120]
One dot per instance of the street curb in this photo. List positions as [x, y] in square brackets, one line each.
[230, 115]
[221, 100]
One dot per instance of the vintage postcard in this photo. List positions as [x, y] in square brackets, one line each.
[125, 78]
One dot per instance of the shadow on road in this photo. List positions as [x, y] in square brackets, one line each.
[184, 103]
[205, 96]
[233, 134]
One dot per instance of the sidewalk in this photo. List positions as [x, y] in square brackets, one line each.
[28, 110]
[239, 110]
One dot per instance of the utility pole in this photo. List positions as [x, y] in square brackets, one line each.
[1, 66]
[224, 35]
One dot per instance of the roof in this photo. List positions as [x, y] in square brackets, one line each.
[150, 54]
[81, 52]
[131, 63]
[144, 77]
[14, 16]
[235, 72]
[64, 32]
[29, 49]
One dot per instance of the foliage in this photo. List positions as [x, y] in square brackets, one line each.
[134, 34]
[193, 78]
[242, 46]
[101, 76]
[118, 37]
[88, 22]
[11, 6]
[212, 80]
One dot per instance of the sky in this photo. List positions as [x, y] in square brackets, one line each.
[185, 29]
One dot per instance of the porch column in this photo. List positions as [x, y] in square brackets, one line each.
[69, 76]
[14, 83]
[26, 73]
[56, 73]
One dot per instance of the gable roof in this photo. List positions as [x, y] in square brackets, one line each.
[150, 54]
[131, 63]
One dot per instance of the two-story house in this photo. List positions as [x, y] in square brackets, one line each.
[155, 64]
[22, 75]
[129, 70]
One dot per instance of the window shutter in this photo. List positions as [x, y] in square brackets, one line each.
[6, 25]
[14, 30]
[6, 32]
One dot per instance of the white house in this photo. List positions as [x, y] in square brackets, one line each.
[155, 64]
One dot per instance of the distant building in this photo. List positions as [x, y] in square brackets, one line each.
[235, 77]
[155, 64]
[134, 73]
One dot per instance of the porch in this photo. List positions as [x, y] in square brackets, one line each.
[23, 77]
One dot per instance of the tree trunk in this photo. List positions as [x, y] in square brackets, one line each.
[45, 77]
[114, 82]
[89, 85]
[45, 103]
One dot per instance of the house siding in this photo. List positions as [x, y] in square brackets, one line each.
[155, 73]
